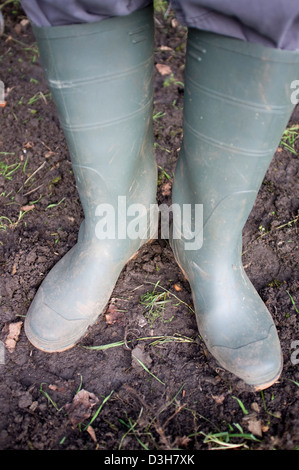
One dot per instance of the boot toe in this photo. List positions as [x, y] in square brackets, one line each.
[258, 364]
[49, 331]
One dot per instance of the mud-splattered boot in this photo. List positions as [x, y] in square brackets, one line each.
[237, 105]
[100, 77]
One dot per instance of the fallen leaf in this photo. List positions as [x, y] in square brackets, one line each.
[163, 69]
[24, 22]
[165, 48]
[27, 208]
[112, 315]
[28, 145]
[61, 389]
[14, 330]
[255, 427]
[219, 399]
[53, 387]
[92, 433]
[81, 406]
[255, 407]
[166, 188]
[49, 154]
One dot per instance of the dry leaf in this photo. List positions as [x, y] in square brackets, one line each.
[92, 433]
[14, 330]
[28, 145]
[24, 22]
[219, 399]
[53, 387]
[58, 388]
[49, 154]
[255, 407]
[166, 188]
[112, 315]
[163, 69]
[80, 408]
[177, 287]
[27, 208]
[255, 427]
[165, 48]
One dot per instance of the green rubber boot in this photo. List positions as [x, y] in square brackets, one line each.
[237, 105]
[101, 79]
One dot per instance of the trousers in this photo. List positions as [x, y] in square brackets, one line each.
[272, 23]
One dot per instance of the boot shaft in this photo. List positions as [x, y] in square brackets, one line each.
[105, 69]
[237, 105]
[101, 79]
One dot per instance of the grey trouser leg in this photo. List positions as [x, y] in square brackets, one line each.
[64, 12]
[273, 23]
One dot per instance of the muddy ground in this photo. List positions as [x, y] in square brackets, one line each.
[183, 399]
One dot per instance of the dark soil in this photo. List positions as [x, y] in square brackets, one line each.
[188, 398]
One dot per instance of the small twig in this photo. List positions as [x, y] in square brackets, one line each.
[34, 173]
[32, 190]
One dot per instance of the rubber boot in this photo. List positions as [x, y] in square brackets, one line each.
[101, 79]
[237, 105]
